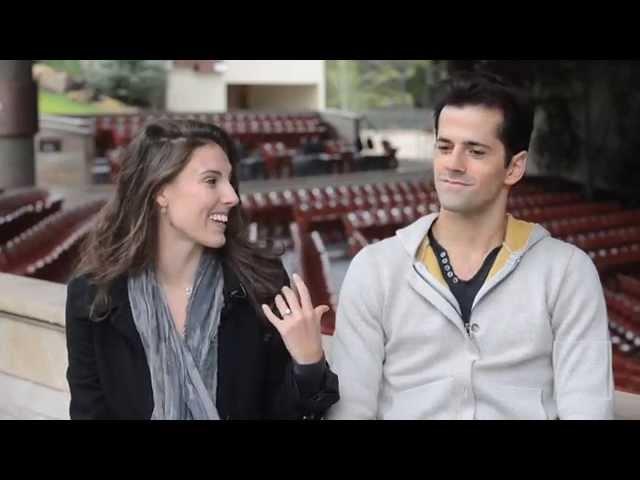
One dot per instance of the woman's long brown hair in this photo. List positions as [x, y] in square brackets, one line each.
[123, 240]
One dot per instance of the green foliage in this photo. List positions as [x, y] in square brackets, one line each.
[359, 85]
[136, 82]
[59, 104]
[72, 67]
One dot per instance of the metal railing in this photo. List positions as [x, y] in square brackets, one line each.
[69, 125]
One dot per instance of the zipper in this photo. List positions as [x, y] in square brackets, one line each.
[466, 326]
[437, 288]
[504, 274]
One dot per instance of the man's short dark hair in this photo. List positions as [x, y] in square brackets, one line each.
[491, 91]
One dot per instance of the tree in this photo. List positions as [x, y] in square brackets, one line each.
[140, 83]
[359, 85]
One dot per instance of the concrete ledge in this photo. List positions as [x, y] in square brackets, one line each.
[32, 336]
[33, 352]
[33, 299]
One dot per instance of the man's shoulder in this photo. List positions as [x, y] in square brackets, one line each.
[377, 261]
[387, 250]
[556, 248]
[555, 252]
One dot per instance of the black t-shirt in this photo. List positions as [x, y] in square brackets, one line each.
[464, 291]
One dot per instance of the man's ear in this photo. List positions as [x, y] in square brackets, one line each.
[516, 168]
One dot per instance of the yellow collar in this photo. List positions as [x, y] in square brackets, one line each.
[516, 239]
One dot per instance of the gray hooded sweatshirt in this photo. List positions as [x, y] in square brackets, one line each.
[540, 347]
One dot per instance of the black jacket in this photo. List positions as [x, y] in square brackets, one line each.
[109, 377]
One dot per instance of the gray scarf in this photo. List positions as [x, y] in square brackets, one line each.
[183, 370]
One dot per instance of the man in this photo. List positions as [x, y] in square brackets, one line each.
[470, 313]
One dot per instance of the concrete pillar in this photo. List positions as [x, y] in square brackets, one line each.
[18, 123]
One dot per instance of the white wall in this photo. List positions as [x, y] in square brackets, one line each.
[274, 72]
[192, 91]
[189, 91]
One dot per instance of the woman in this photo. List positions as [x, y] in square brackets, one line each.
[168, 316]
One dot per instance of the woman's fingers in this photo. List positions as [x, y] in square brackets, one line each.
[292, 300]
[272, 317]
[282, 306]
[303, 292]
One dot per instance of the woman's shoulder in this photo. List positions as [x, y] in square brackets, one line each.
[79, 286]
[78, 283]
[79, 297]
[82, 291]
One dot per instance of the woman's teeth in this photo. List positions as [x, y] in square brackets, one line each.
[218, 217]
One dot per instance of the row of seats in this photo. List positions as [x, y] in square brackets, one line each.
[624, 305]
[251, 139]
[44, 243]
[311, 126]
[573, 225]
[110, 120]
[263, 207]
[329, 203]
[23, 208]
[375, 225]
[366, 226]
[625, 375]
[305, 195]
[114, 131]
[322, 209]
[531, 199]
[278, 159]
[559, 212]
[609, 248]
[356, 241]
[335, 156]
[605, 238]
[381, 223]
[313, 265]
[317, 212]
[627, 330]
[524, 187]
[16, 200]
[18, 225]
[624, 364]
[630, 286]
[382, 191]
[613, 259]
